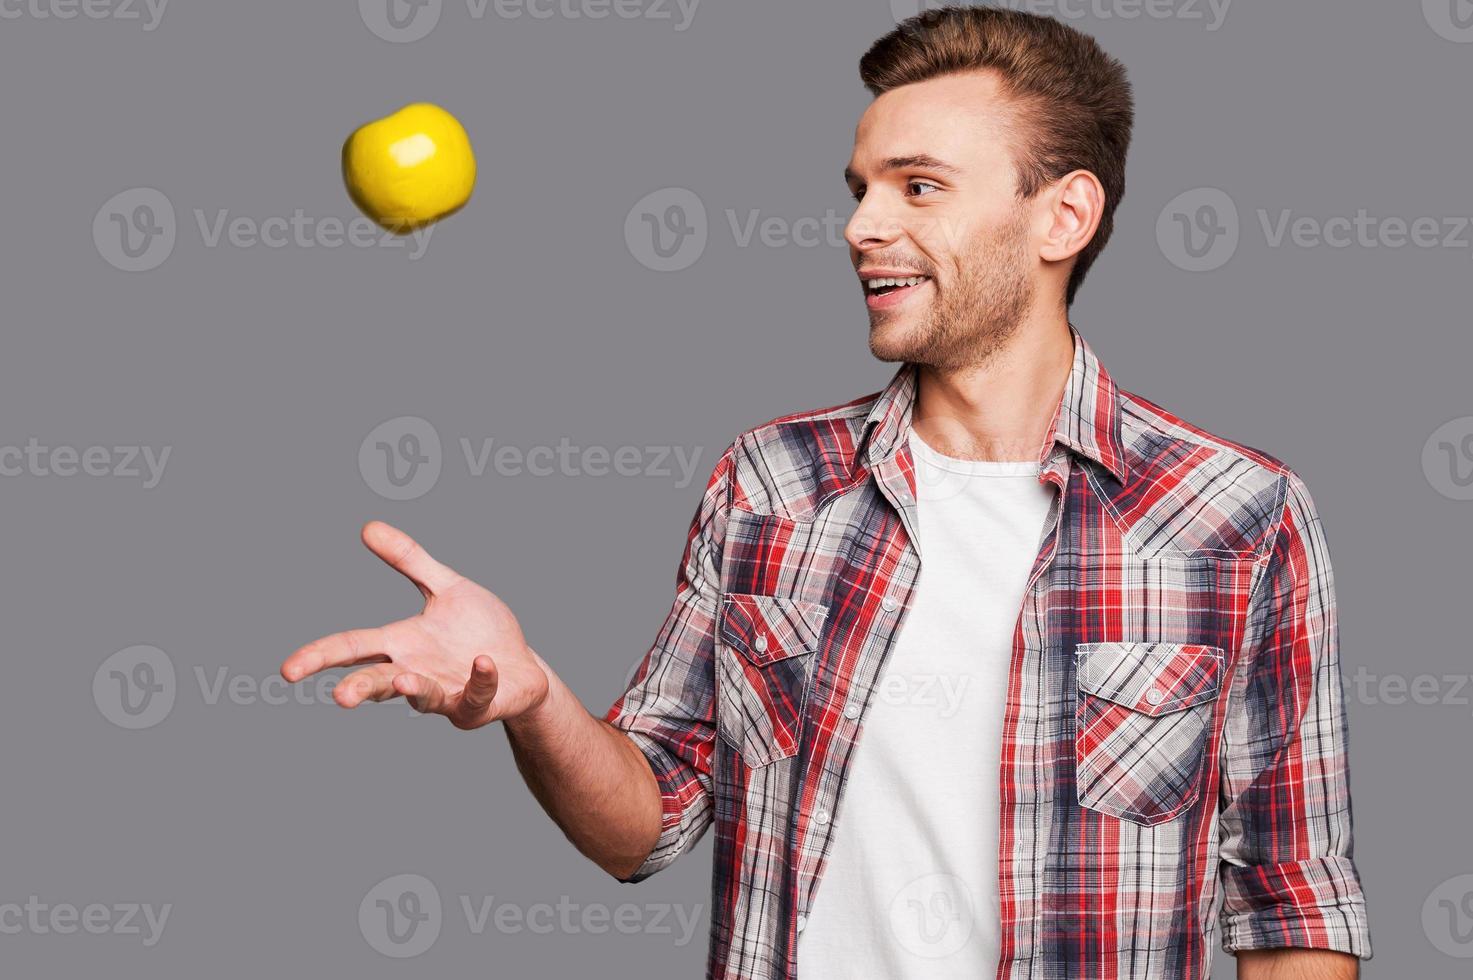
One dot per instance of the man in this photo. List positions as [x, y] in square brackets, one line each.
[1001, 671]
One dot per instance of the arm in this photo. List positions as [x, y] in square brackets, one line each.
[590, 778]
[631, 791]
[465, 657]
[1288, 877]
[1296, 964]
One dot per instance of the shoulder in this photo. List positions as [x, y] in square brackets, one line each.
[789, 464]
[1208, 492]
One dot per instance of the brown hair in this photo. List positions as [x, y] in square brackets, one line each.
[1073, 102]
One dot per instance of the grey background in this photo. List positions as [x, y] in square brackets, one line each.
[528, 320]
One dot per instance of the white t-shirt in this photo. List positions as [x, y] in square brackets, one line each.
[910, 888]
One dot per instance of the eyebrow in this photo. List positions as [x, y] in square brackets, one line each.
[919, 161]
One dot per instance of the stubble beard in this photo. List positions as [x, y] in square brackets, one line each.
[974, 317]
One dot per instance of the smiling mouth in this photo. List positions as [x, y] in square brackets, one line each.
[883, 287]
[882, 294]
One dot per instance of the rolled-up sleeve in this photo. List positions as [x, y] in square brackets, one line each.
[668, 711]
[1288, 875]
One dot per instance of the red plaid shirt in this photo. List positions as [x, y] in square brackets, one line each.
[1174, 743]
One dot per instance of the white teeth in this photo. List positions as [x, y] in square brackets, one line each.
[910, 281]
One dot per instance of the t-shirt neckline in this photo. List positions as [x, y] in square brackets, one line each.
[973, 467]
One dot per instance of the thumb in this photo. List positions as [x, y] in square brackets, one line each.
[479, 691]
[403, 554]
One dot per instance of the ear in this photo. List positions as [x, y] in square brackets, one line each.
[1075, 204]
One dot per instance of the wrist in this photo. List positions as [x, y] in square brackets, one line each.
[541, 716]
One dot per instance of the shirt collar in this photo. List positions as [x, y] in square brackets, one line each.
[1087, 419]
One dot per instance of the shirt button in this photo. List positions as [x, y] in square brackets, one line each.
[761, 643]
[888, 603]
[852, 711]
[821, 817]
[1154, 696]
[802, 921]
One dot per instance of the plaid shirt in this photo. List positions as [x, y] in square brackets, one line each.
[1174, 743]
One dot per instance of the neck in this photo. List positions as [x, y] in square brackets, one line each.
[999, 409]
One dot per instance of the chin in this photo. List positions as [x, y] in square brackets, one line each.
[890, 342]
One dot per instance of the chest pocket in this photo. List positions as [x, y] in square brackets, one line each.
[765, 658]
[1142, 725]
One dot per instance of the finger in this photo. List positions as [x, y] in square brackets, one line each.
[424, 695]
[403, 554]
[346, 649]
[374, 683]
[479, 691]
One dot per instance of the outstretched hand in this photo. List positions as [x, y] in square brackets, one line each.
[463, 656]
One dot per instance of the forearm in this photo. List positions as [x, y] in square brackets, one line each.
[1296, 964]
[590, 777]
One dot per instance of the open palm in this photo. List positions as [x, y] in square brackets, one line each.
[463, 656]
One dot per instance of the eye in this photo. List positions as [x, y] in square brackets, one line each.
[921, 183]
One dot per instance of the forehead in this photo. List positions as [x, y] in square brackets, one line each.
[964, 119]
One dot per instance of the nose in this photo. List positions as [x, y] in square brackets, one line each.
[872, 226]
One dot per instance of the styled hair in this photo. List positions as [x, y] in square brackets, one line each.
[1072, 104]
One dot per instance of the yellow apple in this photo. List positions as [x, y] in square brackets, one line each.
[410, 168]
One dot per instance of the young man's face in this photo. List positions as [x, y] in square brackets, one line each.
[934, 176]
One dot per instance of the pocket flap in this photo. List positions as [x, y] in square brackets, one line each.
[771, 627]
[1152, 678]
